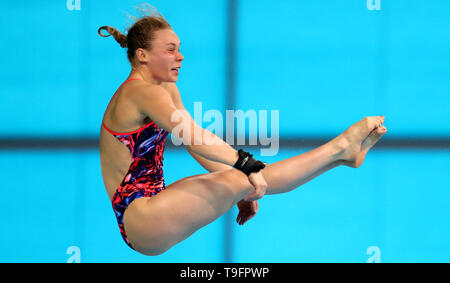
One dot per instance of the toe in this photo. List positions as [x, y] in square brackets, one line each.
[373, 138]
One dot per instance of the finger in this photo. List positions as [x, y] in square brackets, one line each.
[243, 220]
[253, 195]
[249, 197]
[256, 197]
[252, 207]
[255, 206]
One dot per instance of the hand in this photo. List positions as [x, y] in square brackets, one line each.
[247, 209]
[258, 181]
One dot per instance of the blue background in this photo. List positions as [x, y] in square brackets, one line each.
[323, 64]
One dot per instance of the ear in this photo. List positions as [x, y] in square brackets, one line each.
[142, 55]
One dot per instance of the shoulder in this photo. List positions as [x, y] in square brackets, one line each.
[169, 86]
[144, 91]
[172, 89]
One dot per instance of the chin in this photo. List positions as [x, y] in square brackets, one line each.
[169, 79]
[173, 80]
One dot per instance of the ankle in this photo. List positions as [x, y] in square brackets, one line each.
[338, 147]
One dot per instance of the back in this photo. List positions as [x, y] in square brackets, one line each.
[121, 115]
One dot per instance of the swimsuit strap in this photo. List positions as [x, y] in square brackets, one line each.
[115, 133]
[131, 80]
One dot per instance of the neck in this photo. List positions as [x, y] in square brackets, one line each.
[143, 74]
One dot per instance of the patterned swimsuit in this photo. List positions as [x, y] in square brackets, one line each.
[145, 175]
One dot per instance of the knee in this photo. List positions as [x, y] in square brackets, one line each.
[230, 179]
[234, 181]
[236, 178]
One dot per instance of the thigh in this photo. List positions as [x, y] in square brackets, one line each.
[183, 207]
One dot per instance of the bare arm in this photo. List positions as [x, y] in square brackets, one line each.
[247, 210]
[156, 102]
[210, 166]
[256, 179]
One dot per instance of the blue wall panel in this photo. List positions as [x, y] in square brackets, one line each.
[394, 201]
[324, 65]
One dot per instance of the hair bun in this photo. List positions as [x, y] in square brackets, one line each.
[118, 36]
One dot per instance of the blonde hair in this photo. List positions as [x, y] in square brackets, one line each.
[141, 33]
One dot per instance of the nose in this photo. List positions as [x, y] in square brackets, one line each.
[180, 57]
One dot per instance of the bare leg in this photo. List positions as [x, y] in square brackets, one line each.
[346, 149]
[155, 224]
[288, 174]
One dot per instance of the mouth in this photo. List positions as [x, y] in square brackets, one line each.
[176, 70]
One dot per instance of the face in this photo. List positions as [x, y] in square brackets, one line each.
[164, 59]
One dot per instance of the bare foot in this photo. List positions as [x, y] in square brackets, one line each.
[359, 138]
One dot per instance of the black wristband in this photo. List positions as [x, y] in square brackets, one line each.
[247, 164]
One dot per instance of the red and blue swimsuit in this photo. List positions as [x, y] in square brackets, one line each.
[145, 175]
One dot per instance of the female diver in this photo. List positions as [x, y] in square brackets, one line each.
[153, 217]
